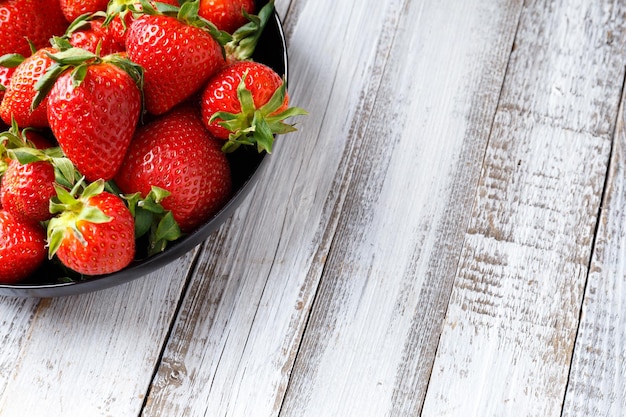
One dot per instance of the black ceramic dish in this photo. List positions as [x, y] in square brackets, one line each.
[246, 164]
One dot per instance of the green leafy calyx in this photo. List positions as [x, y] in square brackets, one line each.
[245, 39]
[254, 126]
[152, 219]
[77, 60]
[71, 208]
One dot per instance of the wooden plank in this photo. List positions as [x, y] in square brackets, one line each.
[596, 382]
[510, 328]
[93, 354]
[237, 335]
[370, 340]
[17, 315]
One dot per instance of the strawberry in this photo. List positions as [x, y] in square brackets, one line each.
[20, 93]
[176, 153]
[120, 14]
[246, 103]
[93, 109]
[177, 57]
[72, 9]
[93, 233]
[22, 248]
[92, 35]
[35, 20]
[28, 173]
[26, 190]
[226, 15]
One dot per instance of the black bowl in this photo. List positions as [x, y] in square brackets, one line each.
[246, 165]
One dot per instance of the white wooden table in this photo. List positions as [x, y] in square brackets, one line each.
[444, 236]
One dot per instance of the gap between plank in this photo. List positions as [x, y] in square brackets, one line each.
[603, 197]
[330, 231]
[493, 121]
[170, 328]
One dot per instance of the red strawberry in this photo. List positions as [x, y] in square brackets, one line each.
[26, 190]
[22, 248]
[35, 20]
[91, 35]
[72, 9]
[176, 153]
[226, 15]
[27, 173]
[93, 233]
[21, 92]
[246, 103]
[120, 15]
[94, 116]
[178, 58]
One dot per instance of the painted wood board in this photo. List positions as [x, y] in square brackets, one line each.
[596, 380]
[369, 342]
[92, 354]
[472, 209]
[17, 315]
[513, 316]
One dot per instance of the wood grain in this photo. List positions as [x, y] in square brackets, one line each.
[513, 315]
[93, 354]
[439, 238]
[240, 326]
[369, 342]
[596, 380]
[17, 315]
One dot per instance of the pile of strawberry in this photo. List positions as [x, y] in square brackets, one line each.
[118, 116]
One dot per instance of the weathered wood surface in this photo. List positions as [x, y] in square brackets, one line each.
[444, 236]
[513, 315]
[597, 382]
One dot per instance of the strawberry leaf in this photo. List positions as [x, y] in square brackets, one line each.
[166, 231]
[69, 210]
[119, 8]
[55, 236]
[93, 189]
[72, 56]
[11, 60]
[65, 200]
[81, 22]
[26, 155]
[78, 60]
[143, 222]
[60, 43]
[165, 8]
[263, 135]
[78, 75]
[150, 216]
[65, 173]
[45, 84]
